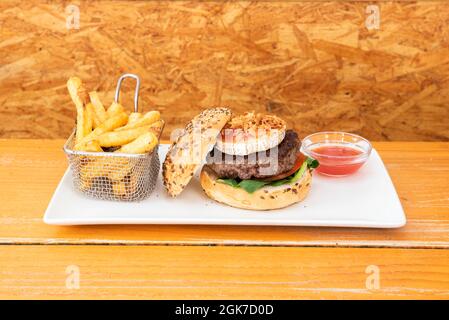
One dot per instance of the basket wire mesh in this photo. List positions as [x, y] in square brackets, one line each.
[111, 175]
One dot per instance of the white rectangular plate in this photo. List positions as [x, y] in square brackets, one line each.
[365, 199]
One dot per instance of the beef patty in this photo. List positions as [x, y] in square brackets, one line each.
[262, 164]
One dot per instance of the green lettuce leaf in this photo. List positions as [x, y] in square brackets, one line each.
[229, 182]
[253, 185]
[312, 163]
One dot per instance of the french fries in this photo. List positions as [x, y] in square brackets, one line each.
[133, 117]
[144, 143]
[88, 120]
[97, 128]
[90, 146]
[147, 119]
[119, 189]
[98, 107]
[119, 138]
[95, 120]
[121, 172]
[77, 92]
[114, 109]
[111, 130]
[109, 125]
[132, 183]
[157, 127]
[129, 184]
[99, 167]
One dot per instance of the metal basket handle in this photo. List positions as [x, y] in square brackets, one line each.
[136, 92]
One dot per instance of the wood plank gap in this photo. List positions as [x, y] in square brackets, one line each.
[281, 244]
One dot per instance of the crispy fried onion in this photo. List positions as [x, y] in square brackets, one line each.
[253, 122]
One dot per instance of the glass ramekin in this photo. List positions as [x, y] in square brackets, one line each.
[339, 153]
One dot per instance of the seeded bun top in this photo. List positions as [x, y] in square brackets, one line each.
[250, 133]
[191, 147]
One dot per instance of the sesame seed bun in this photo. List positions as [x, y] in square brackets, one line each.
[266, 198]
[191, 147]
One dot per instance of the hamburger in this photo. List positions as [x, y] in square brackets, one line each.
[252, 161]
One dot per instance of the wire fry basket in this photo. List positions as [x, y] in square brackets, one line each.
[111, 175]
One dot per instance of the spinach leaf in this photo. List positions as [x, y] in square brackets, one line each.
[248, 185]
[312, 163]
[229, 182]
[253, 185]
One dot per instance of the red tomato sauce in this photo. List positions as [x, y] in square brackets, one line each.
[337, 160]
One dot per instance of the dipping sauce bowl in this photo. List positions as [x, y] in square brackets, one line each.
[339, 153]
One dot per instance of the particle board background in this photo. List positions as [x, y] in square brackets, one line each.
[313, 63]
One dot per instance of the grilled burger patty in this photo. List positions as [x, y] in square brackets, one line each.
[272, 162]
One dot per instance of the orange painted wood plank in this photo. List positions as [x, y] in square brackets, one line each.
[31, 169]
[176, 272]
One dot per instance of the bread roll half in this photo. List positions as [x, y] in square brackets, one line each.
[266, 198]
[190, 149]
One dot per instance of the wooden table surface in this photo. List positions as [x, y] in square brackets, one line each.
[37, 260]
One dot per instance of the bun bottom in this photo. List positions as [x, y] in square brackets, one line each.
[266, 198]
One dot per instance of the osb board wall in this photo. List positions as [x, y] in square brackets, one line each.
[313, 63]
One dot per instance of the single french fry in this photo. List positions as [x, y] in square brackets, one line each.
[119, 189]
[77, 93]
[119, 138]
[132, 183]
[114, 109]
[133, 117]
[113, 123]
[144, 143]
[95, 121]
[85, 183]
[122, 168]
[147, 119]
[88, 172]
[109, 125]
[116, 170]
[88, 120]
[90, 146]
[96, 168]
[157, 127]
[98, 107]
